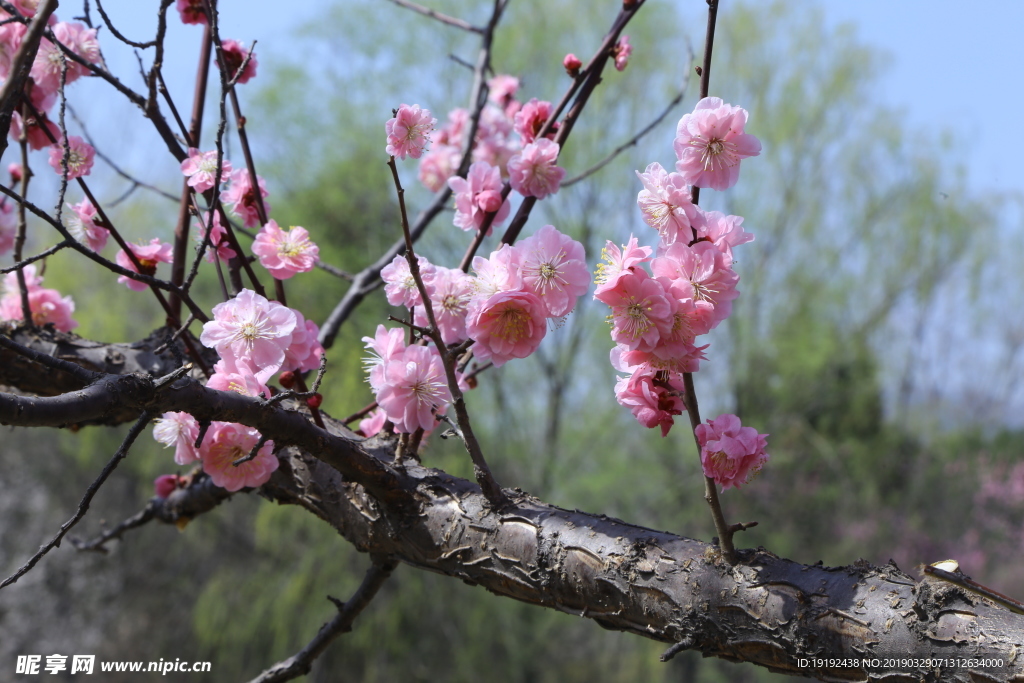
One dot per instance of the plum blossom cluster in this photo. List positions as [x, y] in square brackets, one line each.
[663, 298]
[730, 453]
[255, 338]
[44, 82]
[507, 147]
[46, 305]
[503, 308]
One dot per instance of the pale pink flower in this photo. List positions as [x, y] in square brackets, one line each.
[252, 329]
[438, 165]
[181, 431]
[701, 273]
[80, 157]
[621, 52]
[285, 253]
[227, 442]
[507, 325]
[399, 284]
[477, 195]
[725, 232]
[35, 133]
[192, 11]
[730, 453]
[653, 399]
[451, 133]
[8, 226]
[384, 346]
[10, 40]
[149, 255]
[409, 131]
[46, 305]
[629, 360]
[641, 312]
[165, 485]
[413, 388]
[619, 262]
[200, 168]
[531, 118]
[666, 204]
[16, 171]
[83, 227]
[710, 143]
[234, 57]
[533, 172]
[241, 198]
[453, 290]
[29, 8]
[554, 267]
[500, 272]
[305, 350]
[502, 89]
[372, 423]
[46, 67]
[237, 378]
[220, 245]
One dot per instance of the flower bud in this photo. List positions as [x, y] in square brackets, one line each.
[314, 401]
[287, 379]
[572, 65]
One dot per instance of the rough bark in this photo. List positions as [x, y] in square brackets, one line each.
[765, 610]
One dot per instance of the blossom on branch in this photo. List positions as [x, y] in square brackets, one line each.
[250, 329]
[506, 325]
[409, 131]
[710, 143]
[241, 198]
[227, 442]
[83, 227]
[80, 157]
[47, 306]
[730, 453]
[533, 172]
[234, 56]
[148, 255]
[285, 253]
[200, 168]
[413, 388]
[477, 195]
[181, 431]
[192, 11]
[554, 267]
[621, 53]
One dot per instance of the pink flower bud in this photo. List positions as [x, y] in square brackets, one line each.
[572, 64]
[489, 200]
[165, 485]
[16, 173]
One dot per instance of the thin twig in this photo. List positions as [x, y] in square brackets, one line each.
[443, 18]
[301, 663]
[83, 506]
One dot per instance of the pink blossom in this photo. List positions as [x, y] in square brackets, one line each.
[502, 89]
[621, 52]
[725, 232]
[384, 346]
[83, 226]
[701, 273]
[251, 329]
[399, 284]
[227, 442]
[181, 431]
[283, 253]
[241, 198]
[409, 131]
[507, 325]
[710, 143]
[46, 305]
[477, 195]
[730, 453]
[10, 40]
[500, 272]
[76, 37]
[653, 399]
[192, 11]
[451, 132]
[666, 204]
[35, 133]
[234, 56]
[372, 423]
[641, 312]
[148, 255]
[165, 485]
[619, 262]
[80, 157]
[238, 378]
[305, 350]
[531, 118]
[572, 65]
[220, 245]
[554, 267]
[449, 301]
[16, 171]
[414, 387]
[200, 168]
[438, 165]
[29, 8]
[533, 172]
[8, 226]
[686, 359]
